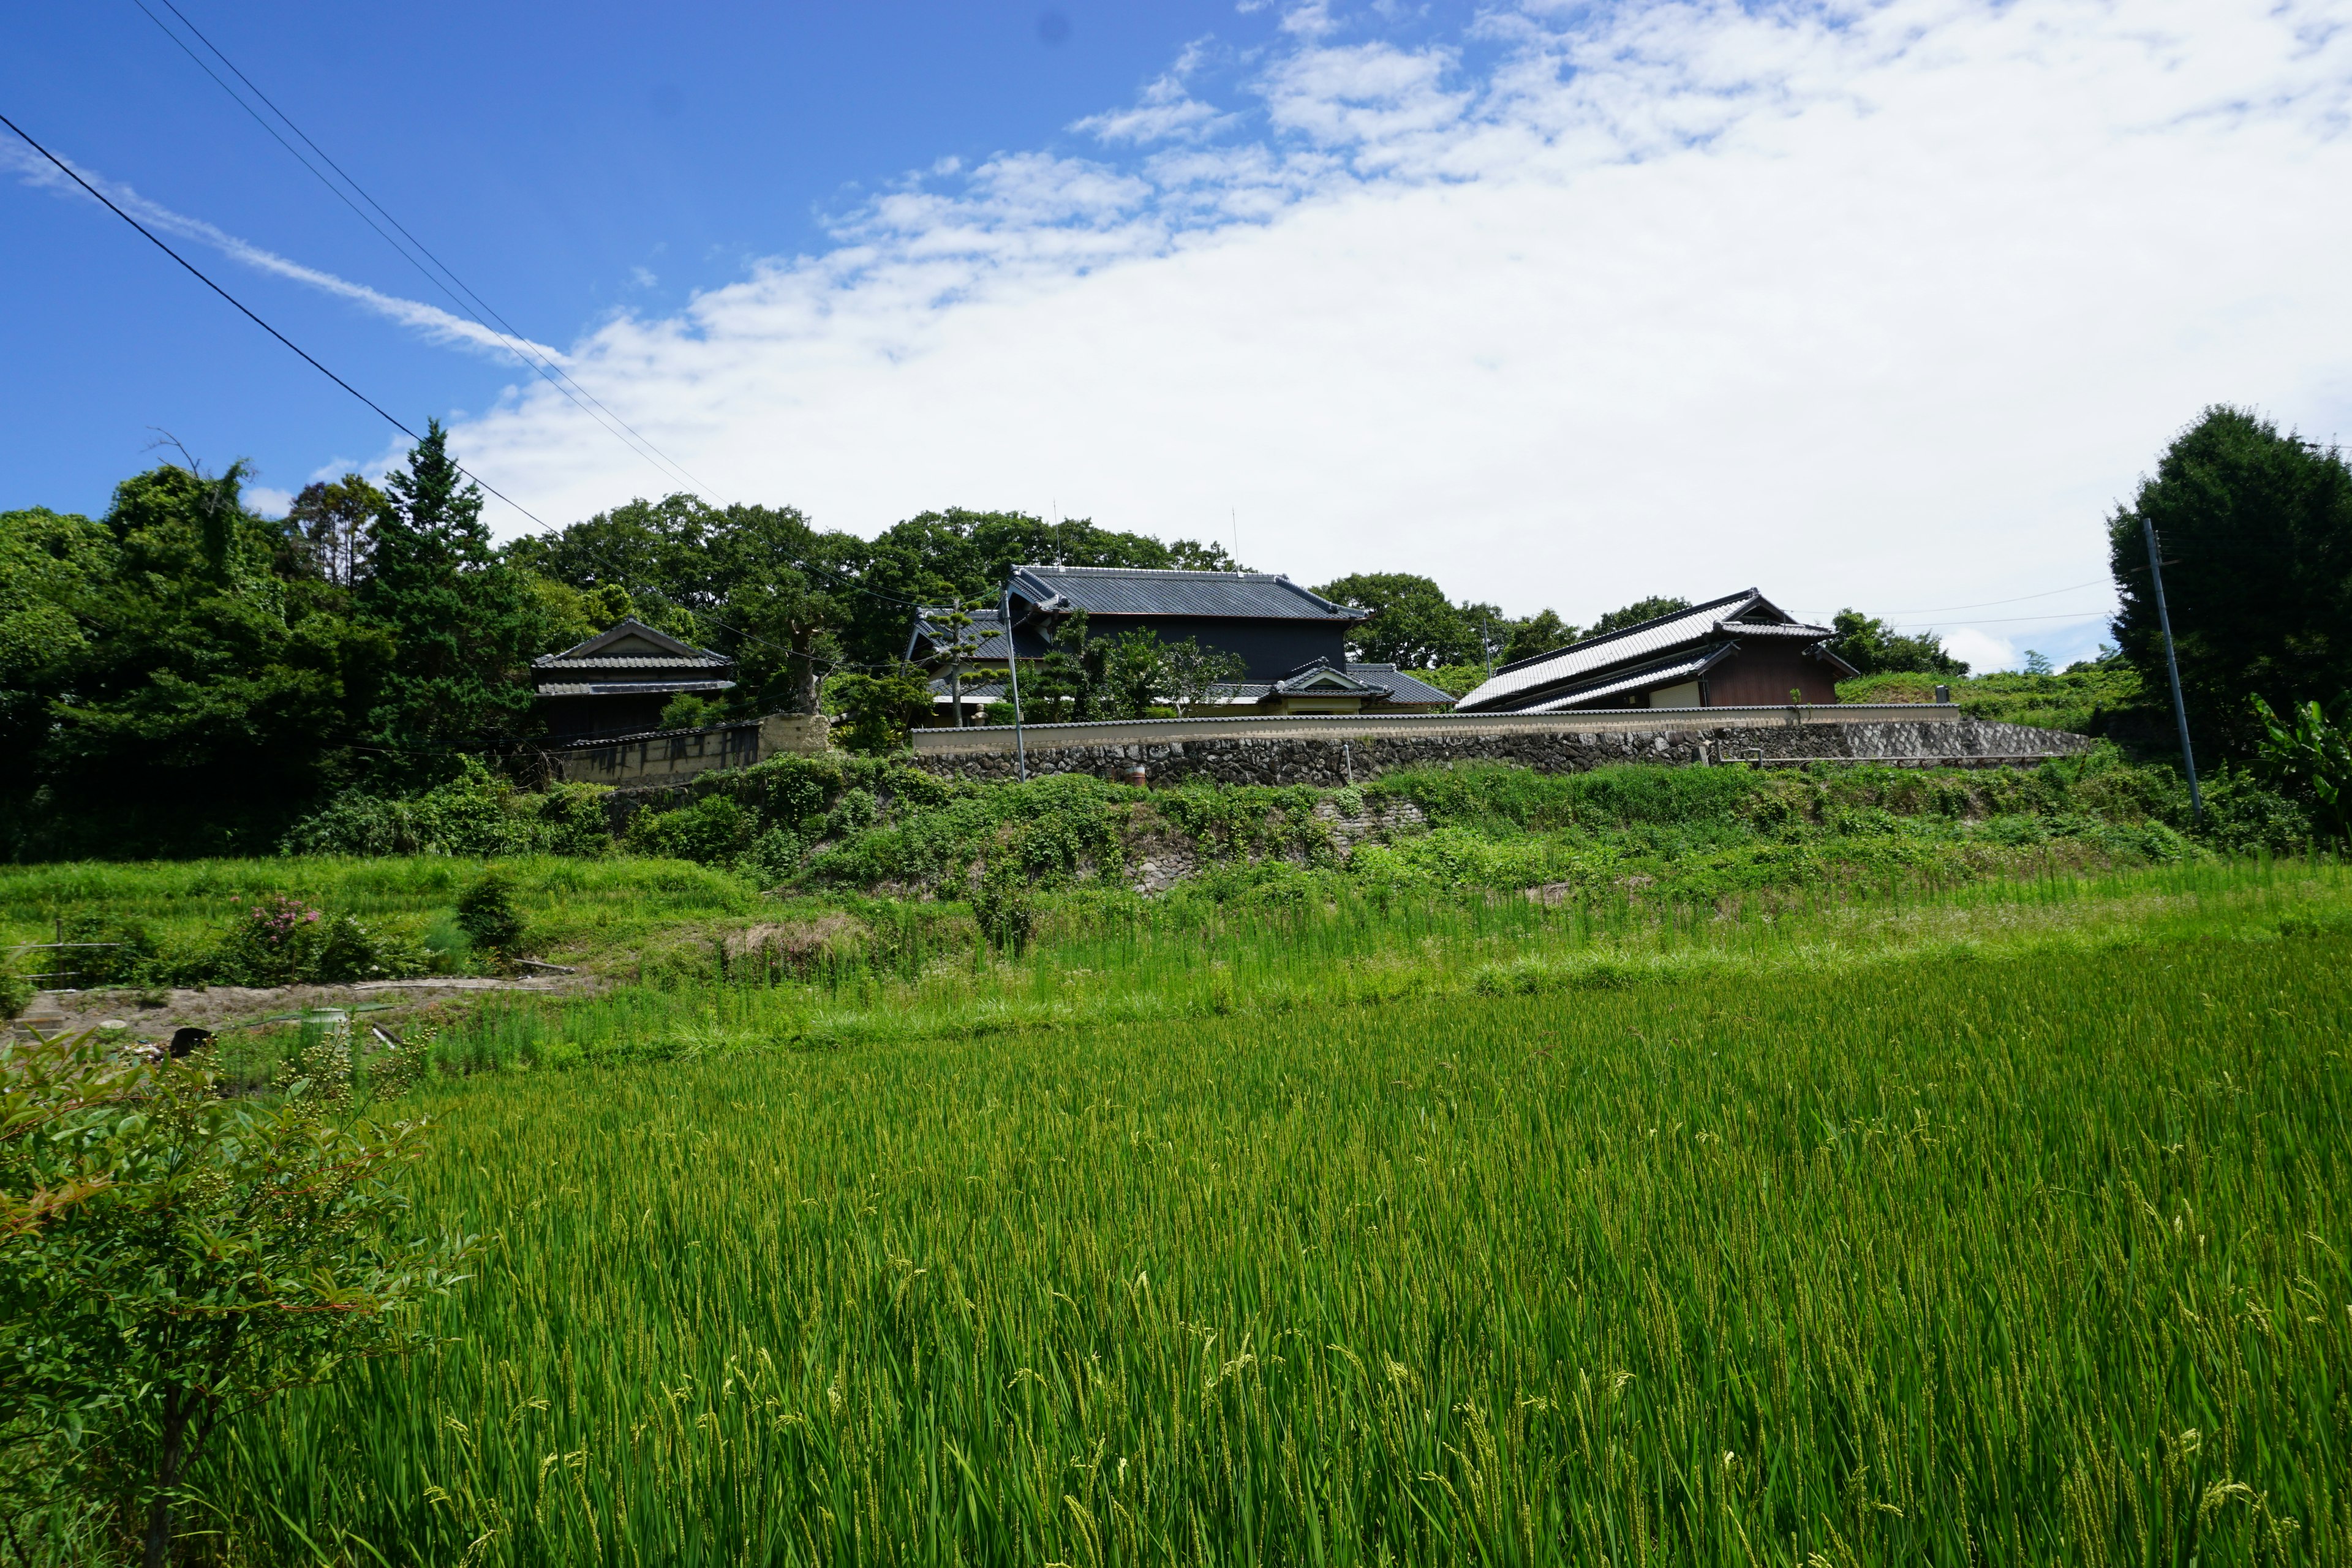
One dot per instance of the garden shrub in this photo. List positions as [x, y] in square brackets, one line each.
[15, 990]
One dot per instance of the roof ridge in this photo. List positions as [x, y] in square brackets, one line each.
[1154, 571]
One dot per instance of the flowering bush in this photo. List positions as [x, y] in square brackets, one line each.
[275, 943]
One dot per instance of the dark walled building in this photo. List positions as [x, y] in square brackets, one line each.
[618, 681]
[1738, 651]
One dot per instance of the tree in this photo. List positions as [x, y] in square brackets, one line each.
[877, 708]
[2256, 531]
[170, 1256]
[1634, 614]
[464, 624]
[336, 524]
[171, 688]
[1539, 634]
[1874, 648]
[1189, 672]
[1413, 625]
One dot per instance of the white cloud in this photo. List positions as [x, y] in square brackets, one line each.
[1863, 304]
[429, 321]
[267, 500]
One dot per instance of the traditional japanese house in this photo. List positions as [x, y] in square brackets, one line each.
[1291, 642]
[618, 681]
[1741, 650]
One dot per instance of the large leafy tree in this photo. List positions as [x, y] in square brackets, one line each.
[464, 625]
[1874, 648]
[1634, 614]
[206, 688]
[2256, 531]
[1414, 623]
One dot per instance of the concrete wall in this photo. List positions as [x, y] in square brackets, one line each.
[1565, 744]
[671, 756]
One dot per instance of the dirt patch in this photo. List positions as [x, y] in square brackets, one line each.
[155, 1014]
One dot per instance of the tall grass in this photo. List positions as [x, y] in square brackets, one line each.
[1965, 1255]
[590, 902]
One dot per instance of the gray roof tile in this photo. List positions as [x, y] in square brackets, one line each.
[1133, 591]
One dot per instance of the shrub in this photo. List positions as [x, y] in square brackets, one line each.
[275, 943]
[176, 1255]
[774, 857]
[15, 990]
[487, 914]
[713, 831]
[687, 712]
[572, 820]
[1006, 914]
[348, 951]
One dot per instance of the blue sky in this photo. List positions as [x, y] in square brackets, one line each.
[1885, 304]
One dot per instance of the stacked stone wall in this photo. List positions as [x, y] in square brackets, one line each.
[1328, 763]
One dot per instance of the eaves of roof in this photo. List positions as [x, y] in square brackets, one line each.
[629, 687]
[1668, 674]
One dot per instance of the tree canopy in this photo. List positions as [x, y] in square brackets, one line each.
[1874, 648]
[2256, 528]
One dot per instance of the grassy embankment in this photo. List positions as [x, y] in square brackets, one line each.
[2075, 700]
[2007, 1225]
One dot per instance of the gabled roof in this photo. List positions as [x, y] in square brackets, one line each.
[1587, 664]
[987, 632]
[633, 645]
[1134, 590]
[1319, 675]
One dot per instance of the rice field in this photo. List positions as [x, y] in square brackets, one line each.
[1956, 1232]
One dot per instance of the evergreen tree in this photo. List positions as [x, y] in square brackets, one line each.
[2256, 531]
[464, 624]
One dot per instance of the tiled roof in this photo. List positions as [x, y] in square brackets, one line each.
[1400, 687]
[628, 687]
[1592, 658]
[668, 653]
[1640, 680]
[987, 629]
[1133, 591]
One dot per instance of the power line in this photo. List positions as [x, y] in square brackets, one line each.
[2005, 620]
[514, 341]
[1990, 604]
[68, 170]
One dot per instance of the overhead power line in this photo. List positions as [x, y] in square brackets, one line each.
[516, 343]
[308, 357]
[1990, 604]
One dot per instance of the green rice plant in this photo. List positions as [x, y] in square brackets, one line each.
[2000, 1225]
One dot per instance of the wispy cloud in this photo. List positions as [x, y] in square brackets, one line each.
[428, 321]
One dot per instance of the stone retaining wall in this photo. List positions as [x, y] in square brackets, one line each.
[1327, 762]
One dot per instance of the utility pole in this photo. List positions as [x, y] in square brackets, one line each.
[1012, 667]
[2172, 667]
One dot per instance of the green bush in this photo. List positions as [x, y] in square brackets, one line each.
[348, 951]
[487, 914]
[277, 942]
[15, 990]
[1006, 912]
[712, 831]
